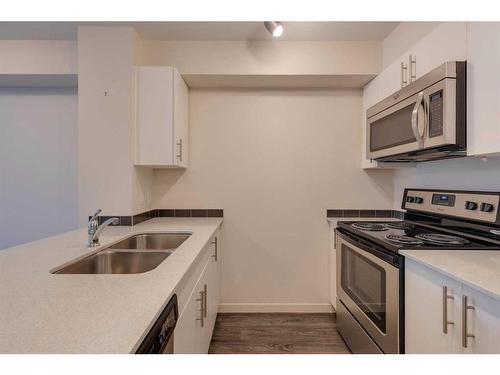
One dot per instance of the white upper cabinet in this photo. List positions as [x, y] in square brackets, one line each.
[162, 118]
[447, 42]
[483, 88]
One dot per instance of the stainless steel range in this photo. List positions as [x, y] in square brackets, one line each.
[370, 270]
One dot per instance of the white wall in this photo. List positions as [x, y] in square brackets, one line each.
[106, 84]
[38, 164]
[274, 161]
[462, 173]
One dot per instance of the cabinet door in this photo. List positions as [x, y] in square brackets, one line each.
[483, 88]
[186, 328]
[190, 336]
[332, 260]
[425, 311]
[447, 42]
[154, 128]
[181, 119]
[483, 321]
[215, 279]
[203, 329]
[212, 297]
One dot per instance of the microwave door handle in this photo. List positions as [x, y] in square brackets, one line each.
[414, 120]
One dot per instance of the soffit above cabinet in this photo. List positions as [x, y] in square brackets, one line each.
[276, 81]
[263, 64]
[39, 81]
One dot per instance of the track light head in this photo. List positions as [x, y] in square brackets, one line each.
[275, 28]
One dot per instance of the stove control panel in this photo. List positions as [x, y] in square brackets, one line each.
[481, 206]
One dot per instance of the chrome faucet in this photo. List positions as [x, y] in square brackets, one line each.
[94, 229]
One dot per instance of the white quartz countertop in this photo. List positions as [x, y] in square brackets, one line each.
[42, 312]
[476, 268]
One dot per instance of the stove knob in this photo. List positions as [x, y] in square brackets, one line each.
[419, 200]
[410, 199]
[486, 207]
[469, 205]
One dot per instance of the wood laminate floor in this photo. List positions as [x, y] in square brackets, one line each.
[276, 333]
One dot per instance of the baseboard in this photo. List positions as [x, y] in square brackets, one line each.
[276, 307]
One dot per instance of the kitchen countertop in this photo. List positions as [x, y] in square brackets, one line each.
[42, 312]
[477, 269]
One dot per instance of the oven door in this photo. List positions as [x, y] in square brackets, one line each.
[368, 287]
[424, 120]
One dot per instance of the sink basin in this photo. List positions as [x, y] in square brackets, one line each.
[152, 241]
[118, 262]
[136, 254]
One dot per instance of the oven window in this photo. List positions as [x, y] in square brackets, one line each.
[392, 130]
[365, 282]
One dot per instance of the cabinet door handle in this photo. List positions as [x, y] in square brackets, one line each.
[446, 297]
[465, 335]
[413, 68]
[202, 307]
[215, 242]
[179, 155]
[205, 310]
[404, 80]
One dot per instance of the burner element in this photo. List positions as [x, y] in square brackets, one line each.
[398, 225]
[369, 226]
[403, 240]
[441, 239]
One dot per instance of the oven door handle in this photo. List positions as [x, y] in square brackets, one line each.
[394, 260]
[414, 120]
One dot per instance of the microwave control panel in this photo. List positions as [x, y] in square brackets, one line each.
[480, 206]
[436, 114]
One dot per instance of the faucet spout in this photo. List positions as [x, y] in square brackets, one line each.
[94, 230]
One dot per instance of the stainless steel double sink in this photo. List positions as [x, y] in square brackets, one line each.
[136, 254]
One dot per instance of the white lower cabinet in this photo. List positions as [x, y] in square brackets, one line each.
[425, 310]
[195, 326]
[438, 319]
[483, 322]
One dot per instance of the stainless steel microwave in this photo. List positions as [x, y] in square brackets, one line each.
[425, 120]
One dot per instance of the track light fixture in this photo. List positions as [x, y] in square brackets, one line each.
[275, 28]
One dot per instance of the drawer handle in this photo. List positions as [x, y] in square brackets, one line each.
[446, 297]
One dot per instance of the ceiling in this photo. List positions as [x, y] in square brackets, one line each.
[294, 31]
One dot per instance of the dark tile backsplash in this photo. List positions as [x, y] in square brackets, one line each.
[166, 213]
[182, 213]
[199, 213]
[215, 213]
[365, 213]
[196, 212]
[190, 213]
[143, 216]
[162, 212]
